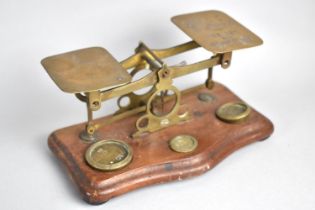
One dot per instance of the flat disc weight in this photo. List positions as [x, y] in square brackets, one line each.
[108, 155]
[233, 112]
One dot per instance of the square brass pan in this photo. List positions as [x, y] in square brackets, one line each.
[85, 70]
[216, 31]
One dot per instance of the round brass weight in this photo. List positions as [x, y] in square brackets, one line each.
[233, 112]
[183, 143]
[108, 155]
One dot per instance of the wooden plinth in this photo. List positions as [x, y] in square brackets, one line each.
[153, 161]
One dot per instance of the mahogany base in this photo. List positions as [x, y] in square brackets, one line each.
[153, 161]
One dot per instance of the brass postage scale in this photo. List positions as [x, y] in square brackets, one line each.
[164, 134]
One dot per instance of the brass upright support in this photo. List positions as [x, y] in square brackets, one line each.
[209, 81]
[89, 133]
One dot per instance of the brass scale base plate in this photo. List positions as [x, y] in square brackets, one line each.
[153, 161]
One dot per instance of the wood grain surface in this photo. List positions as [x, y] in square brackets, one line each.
[153, 161]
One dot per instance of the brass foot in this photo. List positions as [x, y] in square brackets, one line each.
[86, 137]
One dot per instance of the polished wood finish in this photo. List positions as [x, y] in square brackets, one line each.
[153, 161]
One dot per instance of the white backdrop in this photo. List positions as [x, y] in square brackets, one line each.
[276, 78]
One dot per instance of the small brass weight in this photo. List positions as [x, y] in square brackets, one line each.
[163, 134]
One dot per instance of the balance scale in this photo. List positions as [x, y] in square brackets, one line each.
[164, 134]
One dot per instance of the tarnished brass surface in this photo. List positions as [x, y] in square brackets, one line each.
[151, 78]
[152, 121]
[136, 59]
[216, 31]
[233, 112]
[132, 112]
[108, 155]
[183, 143]
[95, 76]
[85, 70]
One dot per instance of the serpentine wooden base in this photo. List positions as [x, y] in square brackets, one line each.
[153, 161]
